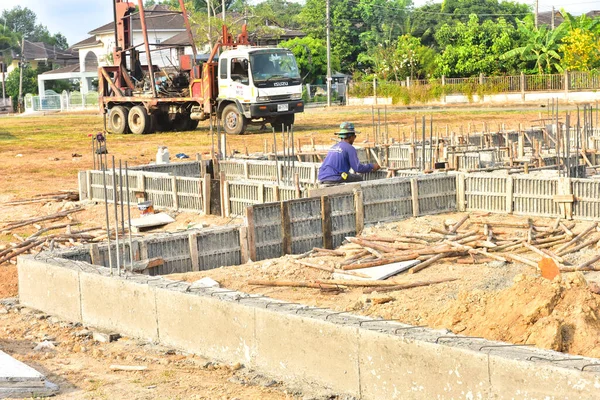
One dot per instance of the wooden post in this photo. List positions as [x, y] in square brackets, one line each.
[246, 173]
[250, 232]
[193, 242]
[95, 254]
[460, 192]
[261, 193]
[174, 189]
[88, 177]
[360, 211]
[326, 222]
[243, 231]
[206, 194]
[297, 185]
[276, 195]
[222, 184]
[286, 228]
[202, 165]
[414, 191]
[509, 194]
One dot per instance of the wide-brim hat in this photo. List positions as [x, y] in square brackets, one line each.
[347, 129]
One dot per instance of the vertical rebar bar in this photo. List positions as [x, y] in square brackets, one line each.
[431, 164]
[94, 150]
[568, 143]
[293, 149]
[107, 217]
[423, 145]
[373, 122]
[276, 158]
[129, 218]
[114, 184]
[558, 140]
[122, 211]
[378, 137]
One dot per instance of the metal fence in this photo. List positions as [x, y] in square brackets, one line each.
[66, 101]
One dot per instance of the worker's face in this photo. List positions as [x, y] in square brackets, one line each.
[351, 139]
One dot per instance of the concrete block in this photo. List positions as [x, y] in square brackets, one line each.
[393, 367]
[295, 347]
[205, 325]
[115, 304]
[50, 288]
[521, 379]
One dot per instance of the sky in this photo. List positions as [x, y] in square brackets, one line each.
[75, 18]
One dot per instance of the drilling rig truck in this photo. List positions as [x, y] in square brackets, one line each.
[238, 84]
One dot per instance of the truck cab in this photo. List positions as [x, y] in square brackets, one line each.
[258, 85]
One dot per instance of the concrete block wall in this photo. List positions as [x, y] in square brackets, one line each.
[347, 354]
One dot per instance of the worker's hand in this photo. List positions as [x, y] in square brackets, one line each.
[376, 167]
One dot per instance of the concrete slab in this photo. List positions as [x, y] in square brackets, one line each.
[18, 380]
[380, 272]
[393, 367]
[294, 347]
[205, 325]
[150, 221]
[118, 305]
[50, 288]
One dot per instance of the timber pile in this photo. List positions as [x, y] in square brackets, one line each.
[46, 238]
[476, 242]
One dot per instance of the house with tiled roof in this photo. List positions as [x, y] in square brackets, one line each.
[38, 53]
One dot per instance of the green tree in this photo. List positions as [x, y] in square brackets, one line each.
[29, 82]
[283, 12]
[539, 49]
[474, 48]
[311, 56]
[23, 22]
[413, 59]
[580, 50]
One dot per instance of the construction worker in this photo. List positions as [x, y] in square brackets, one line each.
[341, 157]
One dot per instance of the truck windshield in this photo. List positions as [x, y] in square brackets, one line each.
[276, 65]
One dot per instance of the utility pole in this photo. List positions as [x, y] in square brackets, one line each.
[537, 4]
[328, 56]
[3, 66]
[21, 65]
[223, 5]
[552, 24]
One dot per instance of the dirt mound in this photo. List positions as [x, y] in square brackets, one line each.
[558, 315]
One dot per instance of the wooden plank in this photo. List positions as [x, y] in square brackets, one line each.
[414, 191]
[193, 241]
[326, 222]
[243, 232]
[460, 192]
[563, 198]
[359, 211]
[251, 233]
[95, 254]
[331, 190]
[286, 226]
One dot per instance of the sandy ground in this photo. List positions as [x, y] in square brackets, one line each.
[498, 301]
[43, 154]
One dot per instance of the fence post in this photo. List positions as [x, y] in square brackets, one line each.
[286, 228]
[509, 194]
[243, 231]
[522, 86]
[481, 78]
[250, 232]
[567, 79]
[88, 177]
[414, 191]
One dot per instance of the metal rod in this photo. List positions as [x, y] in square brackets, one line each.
[568, 143]
[378, 137]
[373, 122]
[431, 141]
[276, 158]
[94, 150]
[107, 218]
[293, 149]
[147, 46]
[114, 184]
[129, 217]
[122, 211]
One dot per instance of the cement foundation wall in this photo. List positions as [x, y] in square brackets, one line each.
[348, 354]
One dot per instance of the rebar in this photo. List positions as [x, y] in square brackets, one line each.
[107, 218]
[122, 210]
[114, 184]
[129, 218]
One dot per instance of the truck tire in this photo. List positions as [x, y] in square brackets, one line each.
[286, 120]
[139, 120]
[234, 122]
[117, 120]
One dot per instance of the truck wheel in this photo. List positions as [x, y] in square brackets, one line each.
[286, 120]
[117, 120]
[139, 121]
[234, 122]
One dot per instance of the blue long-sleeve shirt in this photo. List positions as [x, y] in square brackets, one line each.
[340, 158]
